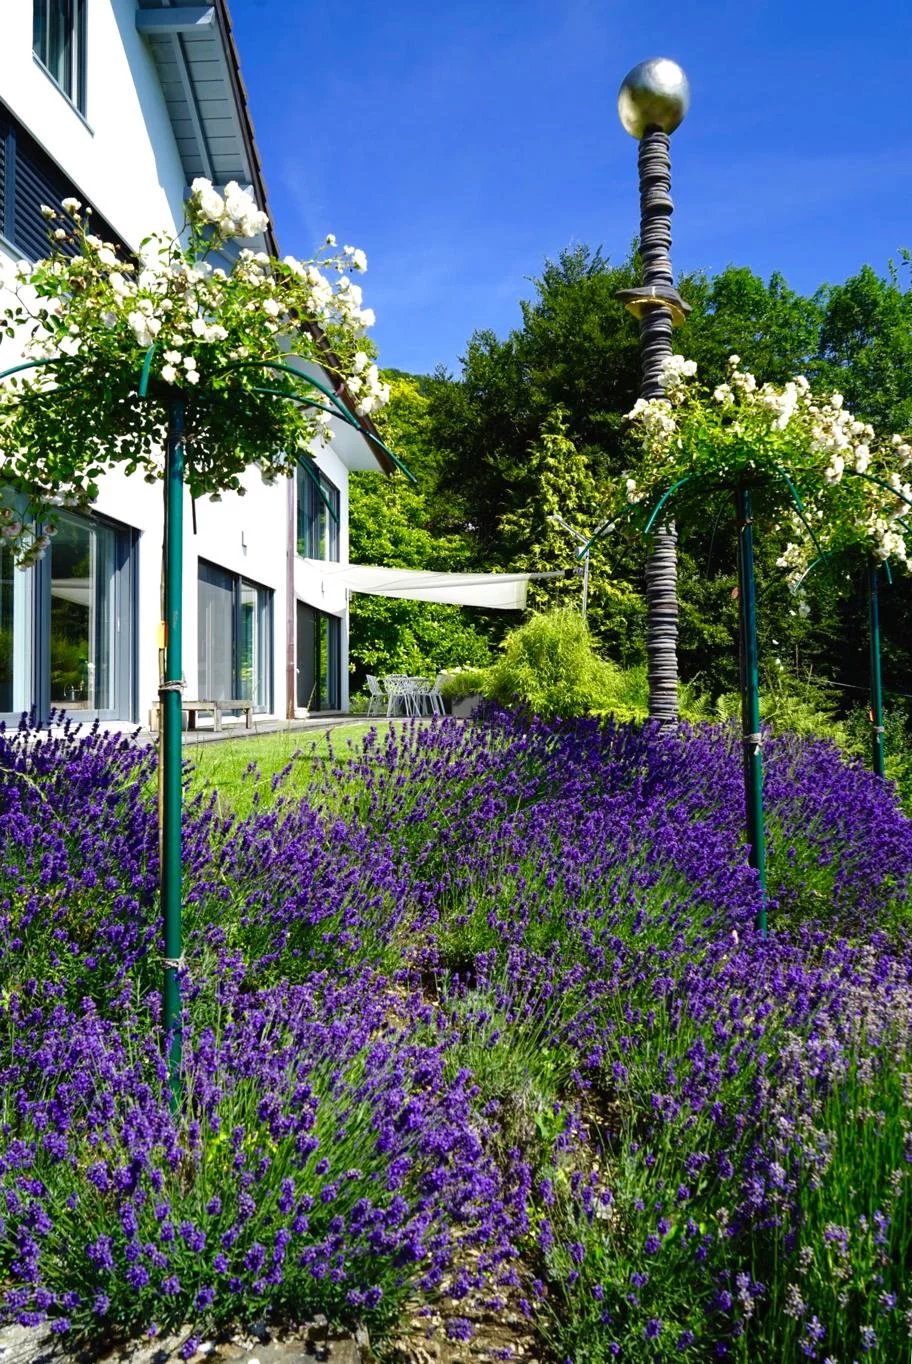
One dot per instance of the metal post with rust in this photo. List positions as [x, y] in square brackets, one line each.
[653, 99]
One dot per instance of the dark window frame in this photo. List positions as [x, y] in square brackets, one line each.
[315, 521]
[63, 25]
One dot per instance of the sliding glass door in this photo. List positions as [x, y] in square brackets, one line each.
[83, 623]
[234, 638]
[67, 634]
[319, 639]
[17, 689]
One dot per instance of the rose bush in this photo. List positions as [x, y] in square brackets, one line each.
[830, 481]
[198, 317]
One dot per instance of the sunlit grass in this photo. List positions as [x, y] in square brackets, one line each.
[235, 769]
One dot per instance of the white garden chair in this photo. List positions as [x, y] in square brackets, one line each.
[399, 690]
[377, 701]
[435, 698]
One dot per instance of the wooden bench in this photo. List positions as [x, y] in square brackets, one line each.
[193, 708]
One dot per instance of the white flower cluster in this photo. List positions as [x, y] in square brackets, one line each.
[675, 373]
[234, 215]
[844, 441]
[365, 385]
[851, 488]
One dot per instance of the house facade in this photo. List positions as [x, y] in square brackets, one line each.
[122, 103]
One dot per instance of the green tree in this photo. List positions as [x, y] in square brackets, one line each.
[390, 524]
[561, 484]
[775, 331]
[866, 344]
[577, 349]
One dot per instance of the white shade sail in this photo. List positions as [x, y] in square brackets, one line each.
[494, 591]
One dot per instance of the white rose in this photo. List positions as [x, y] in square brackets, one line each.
[169, 374]
[71, 205]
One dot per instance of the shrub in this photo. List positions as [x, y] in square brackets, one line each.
[550, 667]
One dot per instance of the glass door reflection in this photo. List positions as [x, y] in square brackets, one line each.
[81, 619]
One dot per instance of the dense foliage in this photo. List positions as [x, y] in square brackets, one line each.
[576, 353]
[482, 1020]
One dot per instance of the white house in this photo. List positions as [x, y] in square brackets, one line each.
[122, 103]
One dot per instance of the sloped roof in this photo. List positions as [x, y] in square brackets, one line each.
[193, 48]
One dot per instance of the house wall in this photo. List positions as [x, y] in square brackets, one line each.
[123, 160]
[122, 155]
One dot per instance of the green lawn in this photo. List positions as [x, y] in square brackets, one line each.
[236, 768]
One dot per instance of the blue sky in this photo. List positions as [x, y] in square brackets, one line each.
[461, 142]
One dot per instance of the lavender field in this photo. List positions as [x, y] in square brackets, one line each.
[478, 1026]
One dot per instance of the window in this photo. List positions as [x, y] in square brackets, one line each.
[318, 515]
[67, 640]
[234, 637]
[28, 179]
[59, 43]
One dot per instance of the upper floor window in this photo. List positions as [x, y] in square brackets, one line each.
[59, 42]
[318, 515]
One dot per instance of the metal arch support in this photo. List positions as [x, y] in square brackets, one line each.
[666, 496]
[799, 507]
[403, 468]
[342, 410]
[349, 419]
[876, 713]
[750, 697]
[143, 389]
[29, 364]
[872, 478]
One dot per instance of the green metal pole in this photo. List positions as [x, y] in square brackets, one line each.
[170, 711]
[750, 697]
[876, 712]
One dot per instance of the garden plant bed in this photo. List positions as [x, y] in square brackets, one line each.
[481, 1052]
